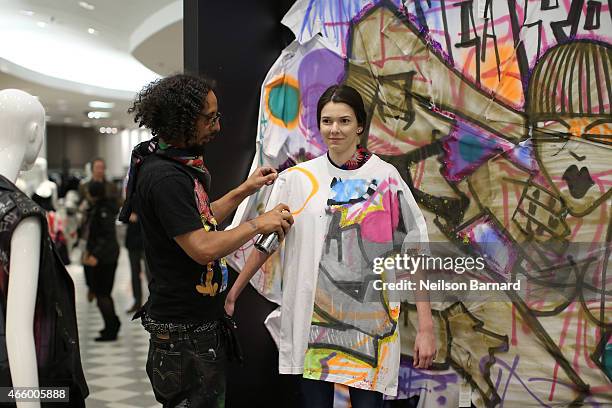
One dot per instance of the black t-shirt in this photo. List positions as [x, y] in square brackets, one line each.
[171, 201]
[102, 240]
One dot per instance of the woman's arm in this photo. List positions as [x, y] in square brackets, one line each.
[252, 265]
[425, 341]
[417, 244]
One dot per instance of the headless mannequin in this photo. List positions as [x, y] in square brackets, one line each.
[22, 125]
[41, 185]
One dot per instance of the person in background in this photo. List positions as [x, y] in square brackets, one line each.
[98, 174]
[101, 255]
[135, 247]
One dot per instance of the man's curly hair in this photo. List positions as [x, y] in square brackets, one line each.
[169, 107]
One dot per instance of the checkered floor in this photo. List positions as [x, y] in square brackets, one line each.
[115, 371]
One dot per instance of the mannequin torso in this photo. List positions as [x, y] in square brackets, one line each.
[22, 120]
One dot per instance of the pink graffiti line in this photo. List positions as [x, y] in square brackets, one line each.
[505, 200]
[514, 338]
[420, 174]
[585, 346]
[575, 361]
[564, 331]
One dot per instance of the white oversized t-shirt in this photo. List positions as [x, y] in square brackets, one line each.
[335, 326]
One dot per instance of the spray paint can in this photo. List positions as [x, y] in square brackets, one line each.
[267, 243]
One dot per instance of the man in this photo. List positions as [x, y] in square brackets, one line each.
[168, 188]
[98, 174]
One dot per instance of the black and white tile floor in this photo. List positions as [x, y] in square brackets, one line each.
[115, 371]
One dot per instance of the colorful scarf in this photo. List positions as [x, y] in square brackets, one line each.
[188, 157]
[358, 159]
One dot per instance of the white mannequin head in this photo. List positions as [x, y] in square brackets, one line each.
[22, 129]
[35, 176]
[41, 164]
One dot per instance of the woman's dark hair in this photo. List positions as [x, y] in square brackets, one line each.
[169, 107]
[343, 94]
[96, 189]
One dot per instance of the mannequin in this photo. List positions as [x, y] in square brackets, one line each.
[44, 187]
[22, 124]
[36, 292]
[37, 182]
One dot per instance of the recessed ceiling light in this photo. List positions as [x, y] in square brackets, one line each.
[92, 31]
[28, 13]
[101, 105]
[86, 5]
[109, 130]
[41, 24]
[98, 115]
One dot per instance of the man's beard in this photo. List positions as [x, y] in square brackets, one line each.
[196, 149]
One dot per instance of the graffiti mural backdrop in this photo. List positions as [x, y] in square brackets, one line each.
[497, 115]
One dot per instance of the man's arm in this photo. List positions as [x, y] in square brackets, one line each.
[229, 202]
[206, 246]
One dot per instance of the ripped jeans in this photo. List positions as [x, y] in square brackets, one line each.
[188, 369]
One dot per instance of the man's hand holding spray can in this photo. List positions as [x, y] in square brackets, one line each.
[268, 243]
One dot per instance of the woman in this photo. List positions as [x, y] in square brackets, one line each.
[350, 208]
[101, 255]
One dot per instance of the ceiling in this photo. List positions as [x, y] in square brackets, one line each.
[70, 108]
[130, 43]
[114, 18]
[163, 51]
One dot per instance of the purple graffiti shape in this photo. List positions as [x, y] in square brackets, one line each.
[318, 71]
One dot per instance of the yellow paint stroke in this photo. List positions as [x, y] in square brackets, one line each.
[315, 187]
[356, 219]
[341, 360]
[360, 377]
[383, 349]
[394, 312]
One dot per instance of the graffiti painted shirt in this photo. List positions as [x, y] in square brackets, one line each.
[171, 201]
[335, 325]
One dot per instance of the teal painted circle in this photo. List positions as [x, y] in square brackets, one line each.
[471, 148]
[284, 102]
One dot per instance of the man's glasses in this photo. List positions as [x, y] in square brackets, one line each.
[211, 119]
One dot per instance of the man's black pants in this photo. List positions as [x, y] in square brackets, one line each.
[188, 369]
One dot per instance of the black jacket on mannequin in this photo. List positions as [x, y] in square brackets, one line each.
[56, 336]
